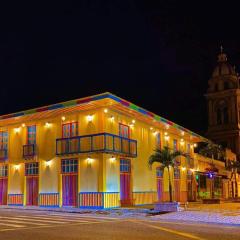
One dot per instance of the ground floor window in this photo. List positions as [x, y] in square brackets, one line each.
[69, 166]
[31, 169]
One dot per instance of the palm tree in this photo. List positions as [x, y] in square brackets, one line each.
[212, 151]
[234, 167]
[167, 158]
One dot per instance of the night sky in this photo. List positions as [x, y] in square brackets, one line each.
[157, 55]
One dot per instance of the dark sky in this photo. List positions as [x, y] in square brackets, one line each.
[157, 54]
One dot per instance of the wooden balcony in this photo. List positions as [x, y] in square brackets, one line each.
[29, 151]
[3, 155]
[101, 142]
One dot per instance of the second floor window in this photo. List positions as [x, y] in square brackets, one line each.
[158, 140]
[175, 147]
[3, 140]
[124, 130]
[70, 130]
[31, 134]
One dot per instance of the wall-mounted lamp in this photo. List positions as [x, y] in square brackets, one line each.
[47, 124]
[63, 118]
[133, 121]
[195, 145]
[192, 170]
[182, 142]
[105, 110]
[17, 130]
[167, 126]
[89, 161]
[23, 125]
[48, 163]
[155, 133]
[17, 167]
[183, 168]
[182, 133]
[89, 118]
[166, 138]
[112, 118]
[151, 128]
[112, 159]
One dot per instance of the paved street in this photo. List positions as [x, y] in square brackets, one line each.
[30, 224]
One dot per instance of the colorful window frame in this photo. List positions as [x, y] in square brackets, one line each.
[31, 134]
[124, 130]
[3, 171]
[158, 140]
[3, 140]
[175, 144]
[125, 166]
[69, 166]
[31, 169]
[69, 130]
[159, 172]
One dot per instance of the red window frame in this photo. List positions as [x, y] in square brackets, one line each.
[35, 140]
[128, 131]
[70, 124]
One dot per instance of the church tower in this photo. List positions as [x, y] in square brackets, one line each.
[223, 98]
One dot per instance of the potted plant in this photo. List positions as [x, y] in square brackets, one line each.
[167, 159]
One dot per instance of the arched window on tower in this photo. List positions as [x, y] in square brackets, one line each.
[219, 116]
[222, 113]
[225, 115]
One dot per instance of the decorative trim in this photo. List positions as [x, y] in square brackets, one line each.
[99, 97]
[48, 200]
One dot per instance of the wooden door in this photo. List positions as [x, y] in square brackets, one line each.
[69, 189]
[3, 191]
[32, 190]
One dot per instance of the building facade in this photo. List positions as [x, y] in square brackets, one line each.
[93, 153]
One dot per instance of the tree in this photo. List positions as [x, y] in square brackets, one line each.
[234, 167]
[212, 151]
[167, 158]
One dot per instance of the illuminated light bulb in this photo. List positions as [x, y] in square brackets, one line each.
[63, 118]
[181, 142]
[155, 133]
[183, 168]
[195, 145]
[151, 128]
[106, 110]
[90, 118]
[192, 170]
[165, 133]
[23, 125]
[182, 133]
[133, 121]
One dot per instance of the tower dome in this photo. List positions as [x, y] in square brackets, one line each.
[223, 68]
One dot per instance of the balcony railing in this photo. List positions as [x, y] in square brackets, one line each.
[3, 154]
[101, 142]
[29, 151]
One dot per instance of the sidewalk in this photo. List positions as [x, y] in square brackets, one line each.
[225, 213]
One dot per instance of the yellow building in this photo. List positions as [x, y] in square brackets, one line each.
[93, 153]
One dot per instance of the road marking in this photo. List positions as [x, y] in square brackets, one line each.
[35, 220]
[53, 218]
[54, 226]
[12, 225]
[14, 221]
[188, 235]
